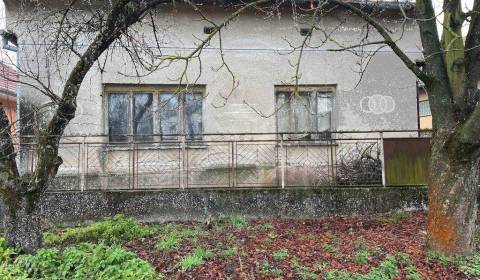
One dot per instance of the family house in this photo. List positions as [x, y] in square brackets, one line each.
[256, 108]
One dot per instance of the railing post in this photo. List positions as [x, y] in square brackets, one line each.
[282, 162]
[384, 179]
[183, 162]
[83, 159]
[234, 161]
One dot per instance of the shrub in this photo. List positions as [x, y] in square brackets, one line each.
[109, 231]
[83, 261]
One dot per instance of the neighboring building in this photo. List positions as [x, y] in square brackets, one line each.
[116, 109]
[8, 87]
[424, 113]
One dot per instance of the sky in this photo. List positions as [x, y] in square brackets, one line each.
[466, 5]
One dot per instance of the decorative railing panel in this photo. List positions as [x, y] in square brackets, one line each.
[221, 160]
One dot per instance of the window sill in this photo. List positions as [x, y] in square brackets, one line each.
[317, 143]
[152, 146]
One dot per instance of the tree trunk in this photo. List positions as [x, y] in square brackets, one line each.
[452, 204]
[22, 222]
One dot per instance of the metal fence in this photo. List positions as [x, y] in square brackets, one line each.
[221, 160]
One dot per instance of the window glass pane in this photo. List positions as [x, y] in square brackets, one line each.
[304, 112]
[424, 108]
[168, 107]
[193, 115]
[118, 114]
[143, 117]
[324, 111]
[284, 112]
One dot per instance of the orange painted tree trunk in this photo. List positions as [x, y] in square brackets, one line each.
[451, 75]
[452, 204]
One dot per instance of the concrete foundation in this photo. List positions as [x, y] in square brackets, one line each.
[70, 208]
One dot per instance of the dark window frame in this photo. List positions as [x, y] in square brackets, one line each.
[156, 92]
[317, 90]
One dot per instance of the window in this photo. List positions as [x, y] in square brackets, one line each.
[309, 110]
[146, 111]
[424, 108]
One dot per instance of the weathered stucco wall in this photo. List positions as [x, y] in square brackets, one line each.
[251, 45]
[67, 208]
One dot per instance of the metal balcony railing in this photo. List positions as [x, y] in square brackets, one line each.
[340, 158]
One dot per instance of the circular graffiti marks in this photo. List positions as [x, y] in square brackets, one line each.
[377, 104]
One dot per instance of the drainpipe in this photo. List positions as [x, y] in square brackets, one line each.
[417, 85]
[10, 43]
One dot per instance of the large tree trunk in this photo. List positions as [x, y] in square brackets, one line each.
[452, 204]
[22, 222]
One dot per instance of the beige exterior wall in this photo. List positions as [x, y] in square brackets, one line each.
[251, 48]
[257, 53]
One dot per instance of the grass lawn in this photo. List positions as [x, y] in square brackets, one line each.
[364, 247]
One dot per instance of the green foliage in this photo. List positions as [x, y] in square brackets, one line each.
[330, 248]
[444, 260]
[6, 253]
[376, 251]
[412, 273]
[85, 261]
[394, 218]
[280, 255]
[294, 262]
[109, 231]
[305, 274]
[265, 267]
[228, 253]
[277, 272]
[302, 271]
[174, 234]
[320, 266]
[265, 226]
[194, 259]
[234, 221]
[9, 270]
[362, 254]
[337, 275]
[471, 266]
[237, 221]
[169, 242]
[387, 270]
[361, 257]
[403, 258]
[468, 265]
